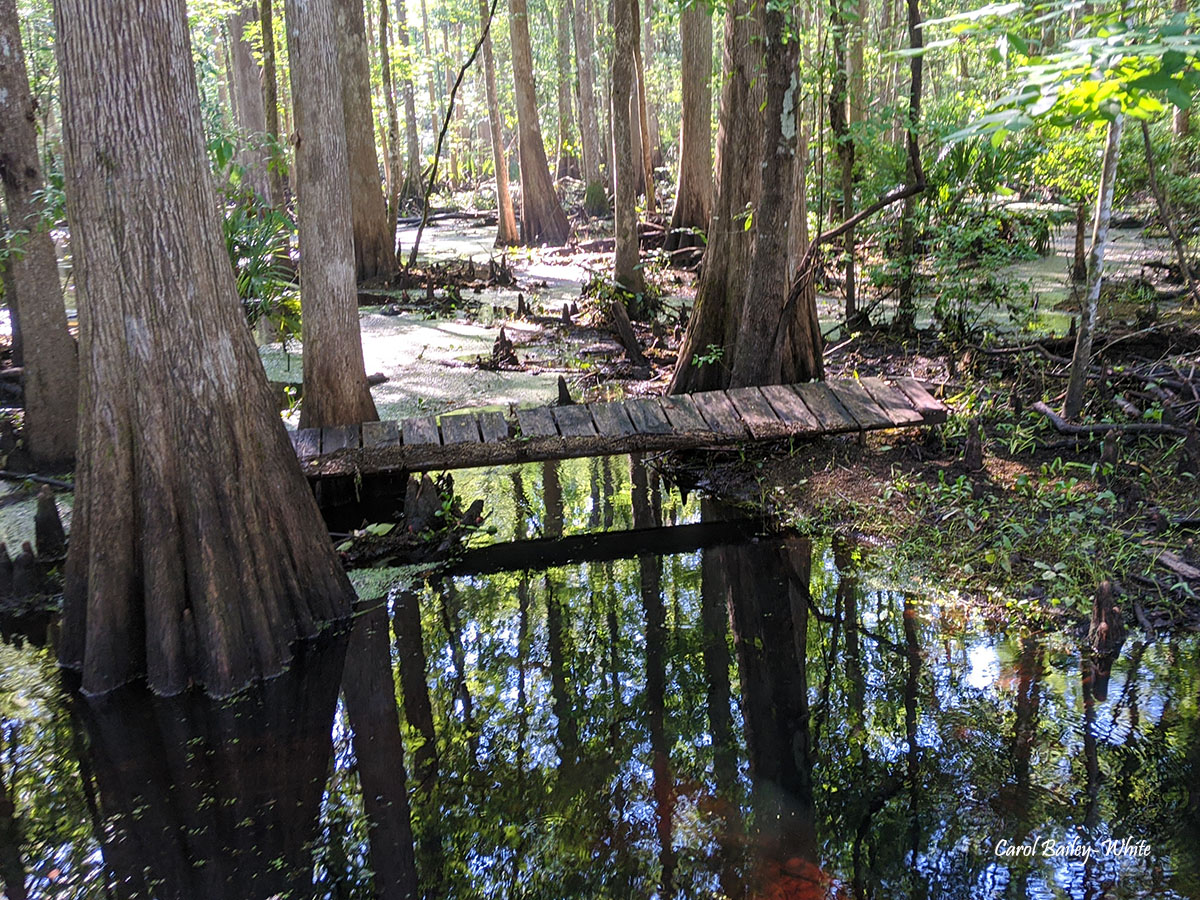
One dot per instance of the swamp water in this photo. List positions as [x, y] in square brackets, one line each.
[761, 718]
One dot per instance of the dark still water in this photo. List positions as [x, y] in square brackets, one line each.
[740, 719]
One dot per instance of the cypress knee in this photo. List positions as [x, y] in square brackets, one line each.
[48, 527]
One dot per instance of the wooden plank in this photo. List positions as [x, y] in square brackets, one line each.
[420, 431]
[756, 412]
[380, 434]
[856, 399]
[682, 414]
[824, 404]
[493, 427]
[893, 403]
[307, 442]
[611, 419]
[574, 421]
[340, 437]
[536, 422]
[931, 409]
[460, 429]
[647, 416]
[790, 409]
[719, 413]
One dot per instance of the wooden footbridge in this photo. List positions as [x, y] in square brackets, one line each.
[684, 422]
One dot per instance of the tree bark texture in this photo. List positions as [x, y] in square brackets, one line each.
[754, 358]
[542, 218]
[722, 281]
[197, 551]
[246, 78]
[374, 251]
[839, 124]
[589, 131]
[627, 270]
[393, 124]
[693, 196]
[643, 119]
[335, 382]
[562, 55]
[48, 351]
[506, 219]
[1082, 357]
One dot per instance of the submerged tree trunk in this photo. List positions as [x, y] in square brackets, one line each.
[595, 201]
[506, 220]
[1081, 360]
[374, 248]
[627, 270]
[49, 356]
[693, 196]
[542, 218]
[197, 552]
[707, 349]
[246, 79]
[335, 382]
[754, 358]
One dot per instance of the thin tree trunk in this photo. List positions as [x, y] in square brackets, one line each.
[914, 173]
[627, 269]
[374, 247]
[839, 124]
[411, 189]
[1079, 263]
[248, 101]
[48, 352]
[754, 358]
[266, 19]
[433, 98]
[693, 197]
[595, 200]
[564, 156]
[647, 158]
[1168, 218]
[1082, 358]
[542, 218]
[335, 382]
[393, 125]
[198, 555]
[656, 156]
[506, 220]
[713, 327]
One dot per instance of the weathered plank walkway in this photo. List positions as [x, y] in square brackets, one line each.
[684, 422]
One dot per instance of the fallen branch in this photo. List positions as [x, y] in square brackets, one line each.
[1104, 428]
[37, 479]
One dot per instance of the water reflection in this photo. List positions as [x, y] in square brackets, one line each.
[753, 719]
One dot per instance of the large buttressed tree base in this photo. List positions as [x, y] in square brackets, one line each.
[197, 554]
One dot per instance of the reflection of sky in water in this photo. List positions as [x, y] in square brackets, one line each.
[985, 667]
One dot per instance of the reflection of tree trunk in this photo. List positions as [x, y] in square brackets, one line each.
[216, 799]
[370, 696]
[418, 711]
[452, 622]
[912, 756]
[847, 599]
[770, 628]
[568, 734]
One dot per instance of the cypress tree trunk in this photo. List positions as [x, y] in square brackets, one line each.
[754, 358]
[627, 270]
[563, 59]
[506, 220]
[644, 142]
[335, 383]
[1082, 357]
[411, 189]
[839, 124]
[197, 553]
[374, 249]
[542, 218]
[246, 81]
[595, 201]
[722, 282]
[393, 124]
[693, 197]
[48, 352]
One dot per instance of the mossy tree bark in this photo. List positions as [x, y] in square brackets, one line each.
[542, 218]
[49, 354]
[693, 197]
[335, 382]
[197, 552]
[374, 248]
